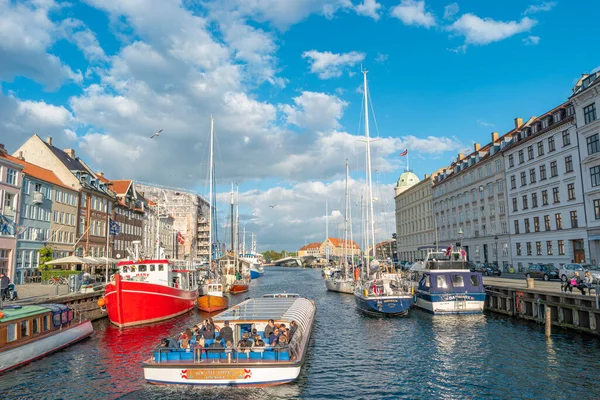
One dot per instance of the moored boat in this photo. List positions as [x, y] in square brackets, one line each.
[256, 271]
[264, 366]
[28, 333]
[213, 300]
[382, 296]
[149, 291]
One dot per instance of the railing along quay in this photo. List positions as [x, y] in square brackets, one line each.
[84, 304]
[566, 310]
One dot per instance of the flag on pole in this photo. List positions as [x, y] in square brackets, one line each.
[115, 228]
[405, 152]
[180, 238]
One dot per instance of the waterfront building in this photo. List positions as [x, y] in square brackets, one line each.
[167, 235]
[469, 203]
[335, 247]
[11, 177]
[311, 249]
[129, 215]
[384, 250]
[545, 195]
[47, 218]
[414, 216]
[190, 214]
[586, 102]
[95, 198]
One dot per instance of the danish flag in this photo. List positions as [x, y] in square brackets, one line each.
[405, 152]
[180, 238]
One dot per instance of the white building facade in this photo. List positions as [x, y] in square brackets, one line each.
[545, 195]
[470, 206]
[586, 102]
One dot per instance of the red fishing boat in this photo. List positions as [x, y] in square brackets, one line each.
[148, 291]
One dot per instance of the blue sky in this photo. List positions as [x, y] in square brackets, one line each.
[282, 79]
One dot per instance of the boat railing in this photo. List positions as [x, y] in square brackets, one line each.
[203, 355]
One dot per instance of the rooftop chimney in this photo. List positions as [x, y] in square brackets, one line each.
[70, 153]
[426, 176]
[494, 137]
[476, 147]
[20, 157]
[461, 157]
[100, 173]
[2, 149]
[518, 122]
[49, 140]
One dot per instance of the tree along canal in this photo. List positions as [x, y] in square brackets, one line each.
[351, 356]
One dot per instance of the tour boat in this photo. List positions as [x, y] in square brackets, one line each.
[265, 366]
[213, 300]
[149, 291]
[446, 285]
[28, 333]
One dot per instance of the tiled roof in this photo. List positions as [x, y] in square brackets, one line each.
[121, 187]
[37, 172]
[340, 243]
[313, 245]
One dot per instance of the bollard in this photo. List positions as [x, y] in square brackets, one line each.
[548, 317]
[530, 284]
[57, 285]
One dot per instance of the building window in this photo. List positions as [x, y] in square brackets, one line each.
[549, 247]
[547, 222]
[536, 224]
[566, 138]
[555, 195]
[523, 178]
[589, 113]
[500, 185]
[527, 227]
[514, 204]
[521, 157]
[540, 147]
[569, 164]
[513, 182]
[502, 208]
[561, 247]
[532, 175]
[516, 226]
[525, 206]
[571, 191]
[542, 172]
[538, 248]
[551, 145]
[595, 176]
[574, 219]
[597, 208]
[530, 153]
[511, 161]
[558, 219]
[534, 202]
[553, 169]
[11, 176]
[593, 144]
[544, 197]
[528, 248]
[518, 249]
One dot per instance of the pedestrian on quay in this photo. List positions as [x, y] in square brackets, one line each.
[4, 282]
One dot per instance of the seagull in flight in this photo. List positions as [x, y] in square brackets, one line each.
[273, 206]
[156, 134]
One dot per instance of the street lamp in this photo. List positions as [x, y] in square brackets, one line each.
[460, 234]
[496, 240]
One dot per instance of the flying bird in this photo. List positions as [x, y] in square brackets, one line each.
[156, 134]
[273, 206]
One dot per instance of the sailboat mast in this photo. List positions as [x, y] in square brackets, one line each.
[346, 206]
[326, 230]
[370, 216]
[210, 192]
[232, 218]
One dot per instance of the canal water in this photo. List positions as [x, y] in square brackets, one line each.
[351, 356]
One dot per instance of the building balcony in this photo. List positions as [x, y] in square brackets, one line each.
[37, 198]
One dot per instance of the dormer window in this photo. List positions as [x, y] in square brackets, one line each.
[544, 124]
[557, 116]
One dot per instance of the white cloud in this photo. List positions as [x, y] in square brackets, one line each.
[46, 113]
[451, 10]
[381, 58]
[369, 8]
[85, 40]
[531, 40]
[412, 12]
[430, 144]
[331, 65]
[315, 111]
[535, 8]
[484, 123]
[484, 31]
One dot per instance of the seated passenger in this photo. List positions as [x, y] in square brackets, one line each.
[259, 345]
[244, 345]
[293, 328]
[229, 346]
[208, 332]
[168, 343]
[281, 343]
[269, 328]
[274, 337]
[226, 333]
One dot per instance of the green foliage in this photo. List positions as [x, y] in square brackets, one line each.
[45, 256]
[49, 273]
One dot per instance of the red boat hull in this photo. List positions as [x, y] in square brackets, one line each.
[130, 303]
[236, 288]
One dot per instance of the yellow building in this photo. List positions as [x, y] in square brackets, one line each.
[311, 249]
[336, 247]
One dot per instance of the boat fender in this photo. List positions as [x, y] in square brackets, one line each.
[101, 302]
[414, 298]
[112, 278]
[365, 293]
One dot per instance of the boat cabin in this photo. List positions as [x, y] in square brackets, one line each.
[444, 281]
[159, 272]
[22, 324]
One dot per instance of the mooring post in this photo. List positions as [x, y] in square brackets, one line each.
[57, 285]
[548, 318]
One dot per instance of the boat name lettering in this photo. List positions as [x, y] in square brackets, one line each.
[218, 374]
[142, 274]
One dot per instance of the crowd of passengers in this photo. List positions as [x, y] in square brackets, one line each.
[207, 335]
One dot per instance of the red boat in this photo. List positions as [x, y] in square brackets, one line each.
[239, 287]
[149, 291]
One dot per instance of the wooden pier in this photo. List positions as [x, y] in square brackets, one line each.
[84, 304]
[567, 310]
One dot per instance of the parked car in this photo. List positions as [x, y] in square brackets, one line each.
[491, 269]
[595, 272]
[567, 271]
[542, 271]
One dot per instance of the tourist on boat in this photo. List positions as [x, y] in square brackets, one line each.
[168, 343]
[274, 337]
[244, 345]
[259, 345]
[269, 329]
[229, 346]
[226, 333]
[4, 282]
[293, 328]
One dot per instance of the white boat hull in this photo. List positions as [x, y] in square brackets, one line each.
[14, 358]
[230, 375]
[451, 307]
[342, 286]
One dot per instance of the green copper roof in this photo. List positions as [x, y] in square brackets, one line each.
[11, 314]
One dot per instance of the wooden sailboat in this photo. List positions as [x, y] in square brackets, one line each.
[214, 299]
